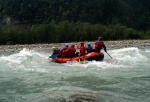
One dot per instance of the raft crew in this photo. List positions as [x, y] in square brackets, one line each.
[68, 52]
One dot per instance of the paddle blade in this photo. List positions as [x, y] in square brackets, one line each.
[53, 60]
[79, 61]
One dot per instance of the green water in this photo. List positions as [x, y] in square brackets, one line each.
[28, 76]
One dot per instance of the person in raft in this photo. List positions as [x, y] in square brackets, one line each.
[89, 48]
[70, 52]
[55, 53]
[63, 52]
[99, 44]
[82, 48]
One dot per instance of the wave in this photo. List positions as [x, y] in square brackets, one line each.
[122, 58]
[32, 60]
[26, 59]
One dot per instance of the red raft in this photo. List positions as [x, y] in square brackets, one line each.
[97, 56]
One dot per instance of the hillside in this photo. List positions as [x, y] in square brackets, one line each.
[56, 21]
[132, 13]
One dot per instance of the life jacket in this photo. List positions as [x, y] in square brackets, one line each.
[99, 45]
[62, 50]
[82, 50]
[64, 54]
[70, 52]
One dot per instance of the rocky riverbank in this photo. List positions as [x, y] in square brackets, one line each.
[109, 44]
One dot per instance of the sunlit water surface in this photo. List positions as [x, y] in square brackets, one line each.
[29, 76]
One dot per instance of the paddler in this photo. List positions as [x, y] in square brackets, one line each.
[70, 51]
[99, 44]
[63, 52]
[55, 52]
[89, 48]
[82, 48]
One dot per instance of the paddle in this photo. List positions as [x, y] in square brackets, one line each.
[109, 55]
[53, 60]
[106, 51]
[79, 61]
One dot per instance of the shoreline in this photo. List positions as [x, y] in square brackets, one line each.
[110, 45]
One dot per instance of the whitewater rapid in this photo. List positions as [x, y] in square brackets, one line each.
[29, 75]
[122, 58]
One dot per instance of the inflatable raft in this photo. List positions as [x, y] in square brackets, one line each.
[97, 56]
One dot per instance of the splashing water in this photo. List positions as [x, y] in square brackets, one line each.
[30, 76]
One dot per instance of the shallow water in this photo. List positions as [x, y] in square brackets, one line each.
[29, 76]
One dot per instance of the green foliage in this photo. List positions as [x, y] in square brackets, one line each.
[131, 13]
[146, 35]
[66, 31]
[47, 21]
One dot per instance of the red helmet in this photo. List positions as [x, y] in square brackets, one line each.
[82, 43]
[72, 45]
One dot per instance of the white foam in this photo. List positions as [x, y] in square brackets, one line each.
[147, 51]
[31, 60]
[122, 58]
[28, 60]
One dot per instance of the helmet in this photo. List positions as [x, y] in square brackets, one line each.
[88, 44]
[82, 43]
[66, 45]
[72, 45]
[100, 38]
[53, 48]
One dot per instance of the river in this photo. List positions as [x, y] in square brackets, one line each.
[29, 76]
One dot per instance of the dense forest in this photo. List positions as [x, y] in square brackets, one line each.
[47, 21]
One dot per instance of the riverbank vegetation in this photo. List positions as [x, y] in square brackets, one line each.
[55, 21]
